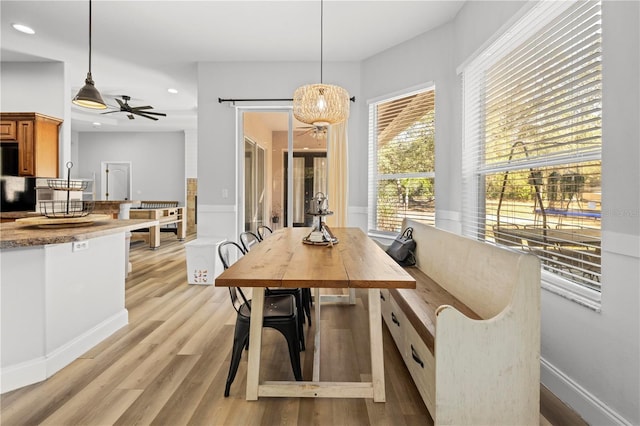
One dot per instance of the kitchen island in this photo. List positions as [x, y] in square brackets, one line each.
[62, 292]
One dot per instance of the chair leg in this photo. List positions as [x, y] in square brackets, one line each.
[300, 311]
[240, 339]
[289, 331]
[306, 303]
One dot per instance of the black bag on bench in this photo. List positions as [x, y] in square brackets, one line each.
[403, 247]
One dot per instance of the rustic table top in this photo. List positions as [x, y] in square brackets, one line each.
[283, 260]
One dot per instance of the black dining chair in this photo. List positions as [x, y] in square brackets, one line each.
[280, 313]
[263, 232]
[248, 239]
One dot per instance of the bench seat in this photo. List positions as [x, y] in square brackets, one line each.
[420, 305]
[469, 333]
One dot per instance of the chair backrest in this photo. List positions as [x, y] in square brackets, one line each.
[229, 252]
[248, 239]
[264, 231]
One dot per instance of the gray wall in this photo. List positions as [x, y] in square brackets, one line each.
[157, 161]
[590, 358]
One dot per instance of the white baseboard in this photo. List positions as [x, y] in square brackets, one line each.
[588, 406]
[38, 369]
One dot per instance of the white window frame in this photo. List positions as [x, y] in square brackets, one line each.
[373, 177]
[529, 23]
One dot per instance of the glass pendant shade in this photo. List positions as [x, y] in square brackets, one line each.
[88, 96]
[321, 104]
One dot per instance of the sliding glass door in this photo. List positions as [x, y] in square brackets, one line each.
[270, 192]
[254, 185]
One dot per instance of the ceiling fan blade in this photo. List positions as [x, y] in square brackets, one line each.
[162, 114]
[119, 102]
[110, 112]
[142, 107]
[142, 114]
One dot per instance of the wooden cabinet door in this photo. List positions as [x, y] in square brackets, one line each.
[8, 131]
[37, 137]
[26, 149]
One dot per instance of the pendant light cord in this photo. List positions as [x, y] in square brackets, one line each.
[89, 36]
[321, 35]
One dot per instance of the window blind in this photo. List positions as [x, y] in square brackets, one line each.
[532, 140]
[401, 160]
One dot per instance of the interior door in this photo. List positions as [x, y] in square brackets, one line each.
[116, 180]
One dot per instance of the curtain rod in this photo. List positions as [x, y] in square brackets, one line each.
[220, 100]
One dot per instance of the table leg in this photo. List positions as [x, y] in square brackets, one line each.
[316, 342]
[154, 236]
[182, 224]
[377, 351]
[255, 343]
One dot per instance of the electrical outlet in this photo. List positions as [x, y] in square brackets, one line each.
[80, 245]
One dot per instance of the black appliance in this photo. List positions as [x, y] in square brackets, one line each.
[17, 194]
[9, 158]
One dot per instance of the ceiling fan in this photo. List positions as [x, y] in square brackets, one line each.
[317, 132]
[131, 111]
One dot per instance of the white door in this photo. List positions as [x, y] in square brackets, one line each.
[116, 180]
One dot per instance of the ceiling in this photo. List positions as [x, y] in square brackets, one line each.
[143, 47]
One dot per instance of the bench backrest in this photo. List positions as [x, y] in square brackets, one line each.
[480, 275]
[158, 204]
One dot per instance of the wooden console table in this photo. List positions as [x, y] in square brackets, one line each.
[164, 216]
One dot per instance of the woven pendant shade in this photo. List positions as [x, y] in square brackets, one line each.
[321, 104]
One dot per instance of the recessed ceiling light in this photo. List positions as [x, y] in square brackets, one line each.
[23, 29]
[172, 91]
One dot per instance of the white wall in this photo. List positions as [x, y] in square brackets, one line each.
[38, 87]
[158, 165]
[426, 58]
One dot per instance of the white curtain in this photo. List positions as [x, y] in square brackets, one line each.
[298, 190]
[338, 182]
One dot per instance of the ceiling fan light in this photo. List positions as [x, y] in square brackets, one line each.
[321, 104]
[88, 96]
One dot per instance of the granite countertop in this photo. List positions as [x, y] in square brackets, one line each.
[18, 215]
[14, 235]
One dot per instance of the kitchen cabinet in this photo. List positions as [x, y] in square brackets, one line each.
[37, 138]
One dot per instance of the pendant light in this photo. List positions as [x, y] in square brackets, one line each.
[321, 104]
[88, 96]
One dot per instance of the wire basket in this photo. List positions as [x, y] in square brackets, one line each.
[67, 185]
[69, 208]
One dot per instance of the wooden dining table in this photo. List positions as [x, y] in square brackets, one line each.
[283, 260]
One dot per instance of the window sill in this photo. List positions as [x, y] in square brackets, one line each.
[586, 297]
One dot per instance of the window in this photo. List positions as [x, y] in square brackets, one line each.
[401, 160]
[532, 143]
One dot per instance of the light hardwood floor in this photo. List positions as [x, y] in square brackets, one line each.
[169, 365]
